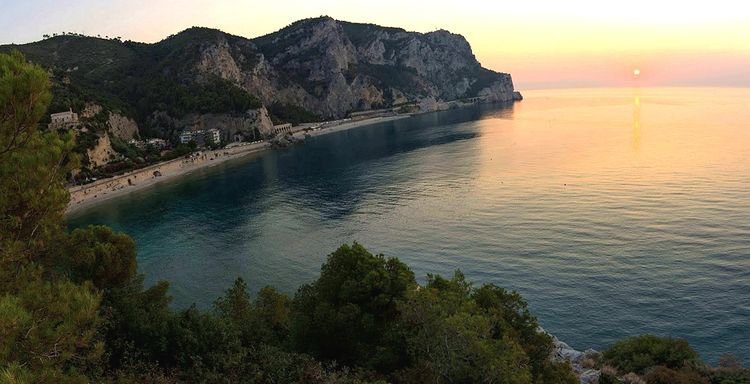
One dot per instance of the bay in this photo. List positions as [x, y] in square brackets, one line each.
[614, 212]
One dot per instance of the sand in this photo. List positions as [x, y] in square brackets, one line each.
[170, 172]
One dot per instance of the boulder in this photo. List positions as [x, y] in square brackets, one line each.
[590, 376]
[578, 360]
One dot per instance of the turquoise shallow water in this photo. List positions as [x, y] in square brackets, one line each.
[614, 212]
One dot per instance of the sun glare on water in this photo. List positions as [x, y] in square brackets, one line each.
[636, 72]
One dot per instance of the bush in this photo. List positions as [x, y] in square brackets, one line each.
[637, 354]
[608, 375]
[664, 375]
[456, 333]
[347, 314]
[101, 256]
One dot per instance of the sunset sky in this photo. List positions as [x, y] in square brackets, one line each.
[542, 43]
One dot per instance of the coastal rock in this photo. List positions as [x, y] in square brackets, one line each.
[332, 67]
[280, 141]
[563, 351]
[590, 376]
[255, 124]
[102, 153]
[428, 104]
[500, 91]
[117, 124]
[260, 120]
[580, 361]
[122, 126]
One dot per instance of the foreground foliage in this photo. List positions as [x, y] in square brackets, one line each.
[664, 360]
[74, 310]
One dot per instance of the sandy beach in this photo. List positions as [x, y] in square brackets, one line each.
[106, 189]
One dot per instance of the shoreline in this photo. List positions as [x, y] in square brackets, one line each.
[85, 196]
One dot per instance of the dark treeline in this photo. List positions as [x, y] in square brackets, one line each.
[73, 308]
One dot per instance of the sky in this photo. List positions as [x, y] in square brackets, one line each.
[542, 43]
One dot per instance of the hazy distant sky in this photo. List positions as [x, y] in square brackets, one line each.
[542, 43]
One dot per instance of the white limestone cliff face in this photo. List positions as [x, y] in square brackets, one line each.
[332, 68]
[122, 126]
[326, 49]
[117, 124]
[253, 125]
[217, 60]
[499, 91]
[102, 153]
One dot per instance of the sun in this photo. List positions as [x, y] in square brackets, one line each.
[636, 72]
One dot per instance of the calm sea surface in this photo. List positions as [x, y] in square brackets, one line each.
[614, 212]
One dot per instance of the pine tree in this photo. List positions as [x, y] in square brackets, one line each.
[48, 325]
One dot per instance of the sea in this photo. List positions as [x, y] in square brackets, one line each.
[613, 212]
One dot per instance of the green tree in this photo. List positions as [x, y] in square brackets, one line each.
[205, 348]
[24, 92]
[101, 256]
[272, 317]
[348, 313]
[451, 339]
[511, 318]
[48, 330]
[236, 308]
[638, 353]
[459, 334]
[136, 326]
[33, 165]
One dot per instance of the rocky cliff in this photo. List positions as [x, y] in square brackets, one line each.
[253, 125]
[102, 153]
[313, 68]
[334, 67]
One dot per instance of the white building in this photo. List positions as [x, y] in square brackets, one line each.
[140, 144]
[201, 137]
[186, 137]
[213, 136]
[158, 143]
[63, 119]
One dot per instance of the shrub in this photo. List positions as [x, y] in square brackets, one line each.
[664, 375]
[637, 354]
[632, 378]
[608, 375]
[348, 312]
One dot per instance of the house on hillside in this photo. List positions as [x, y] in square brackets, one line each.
[67, 119]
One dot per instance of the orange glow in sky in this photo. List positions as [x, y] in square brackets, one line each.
[543, 43]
